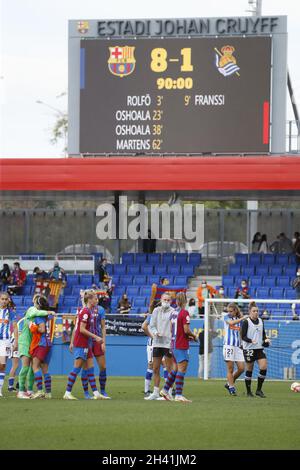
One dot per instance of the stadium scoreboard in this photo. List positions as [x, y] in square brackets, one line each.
[173, 95]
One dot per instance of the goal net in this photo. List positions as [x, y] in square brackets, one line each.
[282, 325]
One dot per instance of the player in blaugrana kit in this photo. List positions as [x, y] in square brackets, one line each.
[97, 350]
[232, 351]
[7, 318]
[80, 345]
[181, 335]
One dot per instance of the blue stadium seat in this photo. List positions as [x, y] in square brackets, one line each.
[154, 258]
[75, 290]
[262, 270]
[115, 279]
[248, 270]
[238, 280]
[180, 281]
[234, 270]
[181, 258]
[29, 279]
[134, 269]
[67, 290]
[140, 280]
[241, 258]
[27, 290]
[174, 269]
[120, 269]
[195, 259]
[147, 269]
[276, 270]
[289, 293]
[270, 281]
[128, 258]
[283, 281]
[110, 269]
[135, 310]
[277, 312]
[268, 259]
[119, 291]
[230, 292]
[145, 291]
[290, 271]
[154, 279]
[282, 259]
[254, 258]
[292, 259]
[167, 258]
[139, 301]
[187, 270]
[132, 291]
[27, 300]
[126, 280]
[256, 281]
[161, 269]
[141, 258]
[228, 281]
[73, 310]
[252, 292]
[18, 300]
[277, 293]
[70, 300]
[262, 292]
[73, 280]
[86, 279]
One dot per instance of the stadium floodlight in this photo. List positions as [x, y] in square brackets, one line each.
[255, 7]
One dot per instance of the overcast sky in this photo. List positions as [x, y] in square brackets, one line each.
[34, 56]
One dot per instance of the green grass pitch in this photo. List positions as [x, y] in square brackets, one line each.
[213, 421]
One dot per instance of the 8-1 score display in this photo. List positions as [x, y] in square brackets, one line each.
[193, 96]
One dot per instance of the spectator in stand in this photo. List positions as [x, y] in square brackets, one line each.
[297, 252]
[17, 280]
[275, 246]
[265, 315]
[242, 292]
[256, 242]
[285, 244]
[104, 277]
[39, 274]
[124, 305]
[57, 272]
[263, 245]
[4, 276]
[296, 283]
[164, 281]
[204, 291]
[296, 239]
[192, 308]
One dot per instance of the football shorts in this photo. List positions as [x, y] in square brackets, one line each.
[233, 354]
[5, 348]
[181, 355]
[149, 353]
[252, 355]
[161, 352]
[42, 353]
[80, 353]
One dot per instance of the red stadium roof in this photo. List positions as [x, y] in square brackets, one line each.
[151, 173]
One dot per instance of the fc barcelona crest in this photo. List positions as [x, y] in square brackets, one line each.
[121, 61]
[82, 27]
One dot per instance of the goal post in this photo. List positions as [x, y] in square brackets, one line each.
[279, 320]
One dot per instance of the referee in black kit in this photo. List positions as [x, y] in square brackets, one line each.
[254, 340]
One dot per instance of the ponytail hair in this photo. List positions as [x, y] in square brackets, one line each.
[251, 305]
[181, 299]
[87, 295]
[40, 302]
[235, 308]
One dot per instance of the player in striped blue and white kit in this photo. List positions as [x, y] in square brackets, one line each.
[7, 317]
[232, 351]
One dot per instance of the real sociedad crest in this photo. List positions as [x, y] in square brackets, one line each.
[121, 61]
[226, 62]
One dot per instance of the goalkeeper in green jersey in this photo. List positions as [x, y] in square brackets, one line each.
[39, 309]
